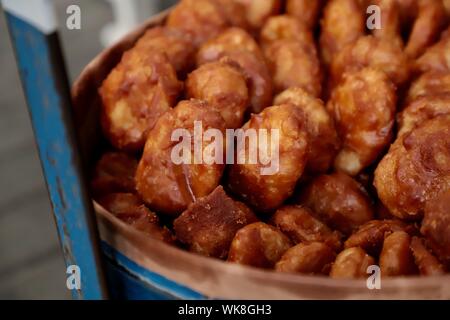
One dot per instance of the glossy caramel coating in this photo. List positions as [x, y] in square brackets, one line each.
[427, 263]
[396, 258]
[313, 258]
[416, 168]
[267, 191]
[223, 85]
[130, 209]
[258, 245]
[165, 186]
[135, 94]
[436, 57]
[293, 64]
[176, 44]
[301, 226]
[209, 225]
[339, 201]
[429, 84]
[343, 22]
[436, 225]
[363, 107]
[372, 52]
[324, 141]
[305, 11]
[239, 46]
[114, 173]
[390, 21]
[352, 263]
[258, 12]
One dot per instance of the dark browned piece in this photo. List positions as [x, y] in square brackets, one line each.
[428, 264]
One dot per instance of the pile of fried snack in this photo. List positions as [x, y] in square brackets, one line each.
[364, 121]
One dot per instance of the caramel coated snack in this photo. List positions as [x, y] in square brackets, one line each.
[223, 85]
[396, 258]
[363, 108]
[427, 263]
[416, 168]
[352, 263]
[209, 225]
[135, 94]
[240, 47]
[113, 173]
[130, 209]
[305, 11]
[390, 20]
[168, 186]
[258, 11]
[312, 258]
[266, 187]
[339, 201]
[258, 245]
[301, 226]
[436, 57]
[324, 141]
[430, 84]
[343, 23]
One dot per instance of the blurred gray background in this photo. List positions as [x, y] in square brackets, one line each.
[31, 264]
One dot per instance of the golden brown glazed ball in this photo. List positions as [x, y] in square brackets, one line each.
[135, 94]
[372, 52]
[313, 258]
[396, 258]
[285, 27]
[235, 13]
[130, 209]
[436, 224]
[339, 201]
[343, 23]
[202, 19]
[223, 85]
[266, 191]
[176, 44]
[421, 110]
[370, 236]
[209, 225]
[305, 11]
[166, 184]
[436, 57]
[430, 20]
[428, 264]
[239, 46]
[416, 168]
[351, 263]
[113, 173]
[324, 141]
[293, 64]
[363, 107]
[258, 245]
[428, 85]
[300, 225]
[258, 12]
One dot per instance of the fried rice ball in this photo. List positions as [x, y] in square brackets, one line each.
[176, 44]
[239, 46]
[223, 85]
[266, 186]
[416, 168]
[339, 201]
[169, 179]
[258, 11]
[427, 263]
[343, 23]
[436, 224]
[436, 57]
[130, 209]
[301, 226]
[430, 84]
[258, 245]
[114, 173]
[421, 110]
[135, 94]
[372, 52]
[324, 141]
[352, 263]
[305, 11]
[396, 258]
[293, 64]
[209, 225]
[313, 258]
[363, 107]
